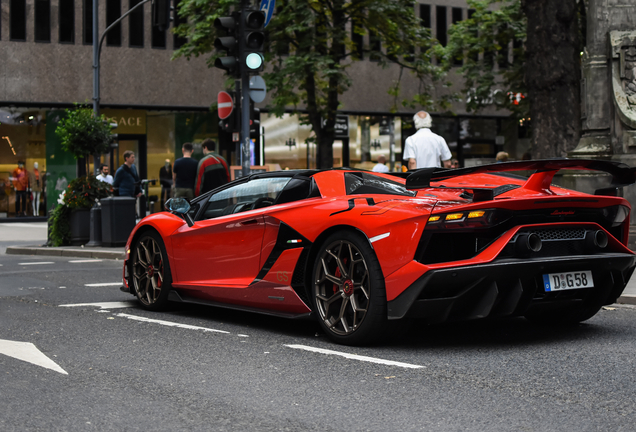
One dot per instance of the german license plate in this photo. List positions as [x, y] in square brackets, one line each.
[568, 280]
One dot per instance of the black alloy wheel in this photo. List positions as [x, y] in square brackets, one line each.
[151, 277]
[348, 290]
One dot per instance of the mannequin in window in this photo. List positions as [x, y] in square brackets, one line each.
[35, 183]
[20, 181]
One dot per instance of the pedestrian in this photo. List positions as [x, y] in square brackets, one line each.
[454, 163]
[184, 173]
[165, 179]
[104, 174]
[380, 166]
[425, 149]
[126, 178]
[212, 171]
[502, 156]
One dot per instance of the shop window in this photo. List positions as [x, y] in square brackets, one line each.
[87, 18]
[17, 18]
[67, 21]
[471, 12]
[158, 38]
[43, 20]
[442, 26]
[136, 25]
[113, 12]
[178, 41]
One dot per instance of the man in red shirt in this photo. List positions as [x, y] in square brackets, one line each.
[212, 171]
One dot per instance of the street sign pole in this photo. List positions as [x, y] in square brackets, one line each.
[245, 104]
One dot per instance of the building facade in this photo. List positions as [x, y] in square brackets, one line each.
[46, 55]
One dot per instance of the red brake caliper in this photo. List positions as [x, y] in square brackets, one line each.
[161, 270]
[338, 274]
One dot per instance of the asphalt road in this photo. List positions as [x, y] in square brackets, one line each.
[120, 368]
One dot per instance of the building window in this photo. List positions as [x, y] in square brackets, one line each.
[474, 57]
[457, 16]
[87, 33]
[67, 21]
[17, 20]
[158, 38]
[113, 12]
[375, 43]
[136, 25]
[358, 41]
[178, 41]
[43, 20]
[442, 27]
[425, 15]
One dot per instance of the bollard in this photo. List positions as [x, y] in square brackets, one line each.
[96, 227]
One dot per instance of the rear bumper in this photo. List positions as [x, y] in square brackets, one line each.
[509, 287]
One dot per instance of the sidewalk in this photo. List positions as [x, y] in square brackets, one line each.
[29, 238]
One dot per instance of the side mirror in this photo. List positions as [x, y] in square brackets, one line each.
[180, 206]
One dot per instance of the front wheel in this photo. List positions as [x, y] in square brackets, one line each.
[348, 290]
[151, 277]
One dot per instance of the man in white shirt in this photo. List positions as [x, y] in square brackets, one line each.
[380, 166]
[104, 176]
[424, 149]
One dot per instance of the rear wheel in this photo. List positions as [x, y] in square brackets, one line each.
[348, 290]
[151, 277]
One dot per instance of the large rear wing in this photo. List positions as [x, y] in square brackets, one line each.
[540, 180]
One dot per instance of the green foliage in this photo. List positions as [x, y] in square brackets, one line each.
[490, 44]
[81, 193]
[310, 52]
[59, 226]
[83, 134]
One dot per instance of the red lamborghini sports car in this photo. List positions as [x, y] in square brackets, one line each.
[355, 248]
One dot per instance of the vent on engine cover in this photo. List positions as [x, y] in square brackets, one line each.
[552, 234]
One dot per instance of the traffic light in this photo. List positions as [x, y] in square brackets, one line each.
[161, 14]
[228, 43]
[254, 40]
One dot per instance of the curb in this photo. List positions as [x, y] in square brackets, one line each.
[76, 253]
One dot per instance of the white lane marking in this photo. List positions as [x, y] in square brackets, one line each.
[356, 357]
[104, 284]
[28, 352]
[36, 263]
[379, 237]
[105, 305]
[85, 261]
[170, 324]
[25, 225]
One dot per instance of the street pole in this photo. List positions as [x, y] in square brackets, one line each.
[97, 50]
[392, 145]
[245, 103]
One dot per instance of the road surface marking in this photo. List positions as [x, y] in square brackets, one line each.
[85, 261]
[27, 352]
[104, 284]
[169, 323]
[36, 263]
[105, 305]
[356, 357]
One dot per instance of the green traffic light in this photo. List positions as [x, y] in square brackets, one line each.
[254, 61]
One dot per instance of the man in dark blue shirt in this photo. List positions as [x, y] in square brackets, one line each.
[126, 177]
[184, 173]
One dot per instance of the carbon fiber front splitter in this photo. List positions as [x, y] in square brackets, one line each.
[510, 287]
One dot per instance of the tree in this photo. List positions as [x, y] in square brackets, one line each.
[527, 47]
[311, 48]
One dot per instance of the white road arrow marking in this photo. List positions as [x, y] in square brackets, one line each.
[105, 305]
[27, 352]
[170, 323]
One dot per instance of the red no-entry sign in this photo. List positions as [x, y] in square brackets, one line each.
[226, 105]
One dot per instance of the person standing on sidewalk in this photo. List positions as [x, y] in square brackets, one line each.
[184, 172]
[212, 171]
[126, 177]
[425, 149]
